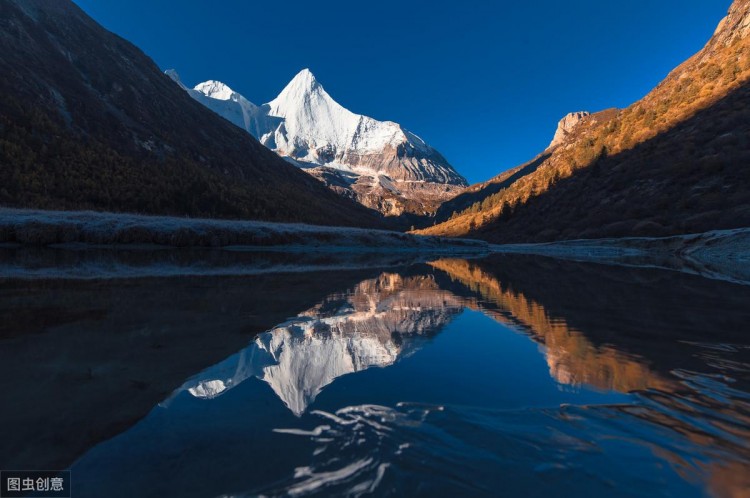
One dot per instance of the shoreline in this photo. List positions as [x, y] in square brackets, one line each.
[103, 245]
[717, 254]
[27, 227]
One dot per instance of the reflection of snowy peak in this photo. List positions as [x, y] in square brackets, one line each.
[307, 361]
[374, 160]
[380, 321]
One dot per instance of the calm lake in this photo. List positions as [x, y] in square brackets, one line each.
[509, 375]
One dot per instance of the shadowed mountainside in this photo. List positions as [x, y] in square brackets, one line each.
[674, 162]
[478, 193]
[682, 181]
[87, 121]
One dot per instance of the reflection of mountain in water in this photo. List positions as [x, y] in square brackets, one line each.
[621, 329]
[378, 322]
[677, 344]
[572, 358]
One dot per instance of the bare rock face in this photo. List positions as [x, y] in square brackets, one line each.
[566, 126]
[384, 194]
[735, 25]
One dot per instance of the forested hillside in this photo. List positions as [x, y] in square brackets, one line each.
[88, 121]
[677, 161]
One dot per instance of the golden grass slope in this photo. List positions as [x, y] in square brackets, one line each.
[690, 127]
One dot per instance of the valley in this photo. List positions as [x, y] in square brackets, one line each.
[203, 295]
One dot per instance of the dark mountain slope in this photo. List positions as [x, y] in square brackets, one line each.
[88, 121]
[473, 196]
[479, 197]
[677, 161]
[692, 178]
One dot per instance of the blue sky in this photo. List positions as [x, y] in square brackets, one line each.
[484, 82]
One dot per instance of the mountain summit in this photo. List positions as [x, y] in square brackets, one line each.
[378, 163]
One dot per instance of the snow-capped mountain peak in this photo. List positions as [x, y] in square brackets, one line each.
[222, 100]
[304, 92]
[216, 90]
[314, 125]
[304, 81]
[385, 166]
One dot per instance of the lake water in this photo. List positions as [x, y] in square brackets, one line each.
[510, 375]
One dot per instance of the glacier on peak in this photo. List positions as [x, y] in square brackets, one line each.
[216, 90]
[307, 126]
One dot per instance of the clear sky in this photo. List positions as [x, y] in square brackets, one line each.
[484, 82]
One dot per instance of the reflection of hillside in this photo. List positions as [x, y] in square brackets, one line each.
[375, 324]
[654, 315]
[731, 480]
[635, 330]
[571, 357]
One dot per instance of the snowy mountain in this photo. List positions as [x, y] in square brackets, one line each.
[378, 163]
[223, 101]
[377, 323]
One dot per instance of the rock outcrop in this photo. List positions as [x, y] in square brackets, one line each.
[566, 126]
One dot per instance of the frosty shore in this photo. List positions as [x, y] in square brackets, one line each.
[718, 254]
[721, 254]
[66, 228]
